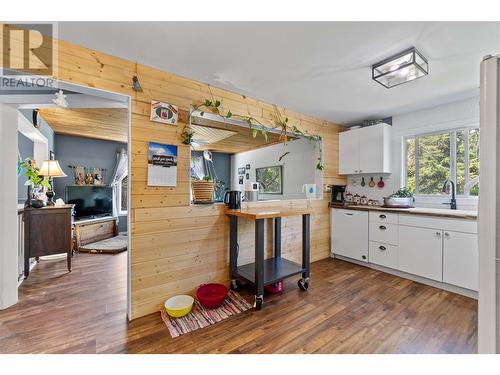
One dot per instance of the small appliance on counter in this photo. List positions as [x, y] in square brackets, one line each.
[233, 199]
[337, 197]
[251, 191]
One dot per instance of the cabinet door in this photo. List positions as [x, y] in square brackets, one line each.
[350, 234]
[371, 150]
[461, 259]
[349, 152]
[420, 252]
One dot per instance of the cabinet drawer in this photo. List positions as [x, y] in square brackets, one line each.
[384, 217]
[383, 254]
[383, 232]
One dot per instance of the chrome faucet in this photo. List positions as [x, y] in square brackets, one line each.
[446, 189]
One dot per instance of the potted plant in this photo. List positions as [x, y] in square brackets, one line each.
[203, 190]
[34, 182]
[401, 198]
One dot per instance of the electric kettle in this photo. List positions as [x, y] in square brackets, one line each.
[233, 199]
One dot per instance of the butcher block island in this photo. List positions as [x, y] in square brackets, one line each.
[437, 247]
[264, 272]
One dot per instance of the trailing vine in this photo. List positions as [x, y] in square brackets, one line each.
[256, 127]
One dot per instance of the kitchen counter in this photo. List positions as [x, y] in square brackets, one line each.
[458, 214]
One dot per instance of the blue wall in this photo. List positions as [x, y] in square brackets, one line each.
[85, 152]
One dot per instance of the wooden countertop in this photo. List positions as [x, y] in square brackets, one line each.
[267, 212]
[456, 214]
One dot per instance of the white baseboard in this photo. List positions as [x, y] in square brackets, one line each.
[436, 284]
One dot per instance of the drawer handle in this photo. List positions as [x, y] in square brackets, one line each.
[348, 214]
[383, 248]
[382, 216]
[382, 227]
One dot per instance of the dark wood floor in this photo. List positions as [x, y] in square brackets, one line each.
[348, 309]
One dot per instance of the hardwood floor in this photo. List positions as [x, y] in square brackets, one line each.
[348, 309]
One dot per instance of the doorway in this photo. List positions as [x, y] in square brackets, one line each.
[22, 116]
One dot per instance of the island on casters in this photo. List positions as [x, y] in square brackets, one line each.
[268, 271]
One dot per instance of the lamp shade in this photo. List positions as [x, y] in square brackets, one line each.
[51, 168]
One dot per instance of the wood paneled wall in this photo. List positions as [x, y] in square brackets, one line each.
[175, 246]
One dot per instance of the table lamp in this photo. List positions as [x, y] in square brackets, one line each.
[50, 169]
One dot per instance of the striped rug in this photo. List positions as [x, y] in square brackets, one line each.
[201, 317]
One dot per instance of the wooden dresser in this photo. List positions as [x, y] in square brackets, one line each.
[47, 231]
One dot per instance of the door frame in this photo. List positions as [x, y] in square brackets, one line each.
[9, 103]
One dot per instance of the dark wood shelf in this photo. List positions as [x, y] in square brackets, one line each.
[275, 269]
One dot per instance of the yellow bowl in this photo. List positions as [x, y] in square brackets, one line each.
[178, 306]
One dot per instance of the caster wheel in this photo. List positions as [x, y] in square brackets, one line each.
[303, 285]
[258, 303]
[234, 285]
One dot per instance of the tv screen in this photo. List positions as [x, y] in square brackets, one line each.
[90, 201]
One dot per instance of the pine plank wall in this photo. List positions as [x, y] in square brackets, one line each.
[175, 246]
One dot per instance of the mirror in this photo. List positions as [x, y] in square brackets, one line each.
[226, 156]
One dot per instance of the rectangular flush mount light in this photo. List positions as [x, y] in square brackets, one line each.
[400, 68]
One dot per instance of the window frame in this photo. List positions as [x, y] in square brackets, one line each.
[453, 158]
[119, 198]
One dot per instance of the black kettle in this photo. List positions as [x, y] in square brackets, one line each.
[233, 199]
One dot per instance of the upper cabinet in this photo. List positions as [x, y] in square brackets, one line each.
[365, 150]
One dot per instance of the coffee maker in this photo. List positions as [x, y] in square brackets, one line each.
[337, 197]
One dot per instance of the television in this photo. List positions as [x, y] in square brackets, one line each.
[90, 201]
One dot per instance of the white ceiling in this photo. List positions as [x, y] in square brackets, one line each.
[321, 69]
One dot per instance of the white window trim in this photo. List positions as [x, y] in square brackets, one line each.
[119, 199]
[435, 198]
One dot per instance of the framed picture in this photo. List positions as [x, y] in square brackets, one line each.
[247, 166]
[162, 164]
[164, 112]
[241, 170]
[240, 180]
[270, 179]
[248, 176]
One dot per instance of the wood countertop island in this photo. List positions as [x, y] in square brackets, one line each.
[268, 271]
[268, 213]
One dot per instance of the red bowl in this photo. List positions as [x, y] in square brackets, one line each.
[211, 295]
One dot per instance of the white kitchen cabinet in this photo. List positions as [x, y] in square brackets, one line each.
[461, 259]
[349, 152]
[350, 233]
[421, 252]
[365, 150]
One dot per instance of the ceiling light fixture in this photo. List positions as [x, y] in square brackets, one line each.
[400, 68]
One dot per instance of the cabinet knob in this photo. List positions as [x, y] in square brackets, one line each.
[446, 234]
[383, 248]
[382, 227]
[382, 216]
[438, 234]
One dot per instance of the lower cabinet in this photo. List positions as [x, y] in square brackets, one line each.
[461, 259]
[421, 252]
[436, 248]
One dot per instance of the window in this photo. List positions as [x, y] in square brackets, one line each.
[430, 159]
[122, 195]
